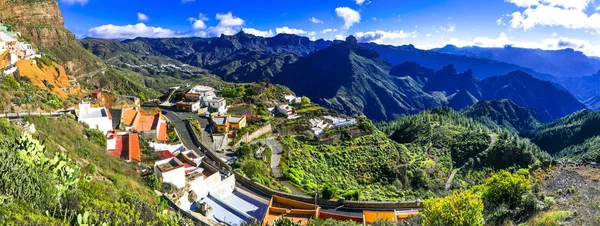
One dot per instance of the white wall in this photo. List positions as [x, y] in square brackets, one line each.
[102, 124]
[224, 188]
[175, 177]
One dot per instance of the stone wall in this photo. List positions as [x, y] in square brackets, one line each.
[249, 137]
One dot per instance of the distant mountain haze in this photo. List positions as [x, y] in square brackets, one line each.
[559, 63]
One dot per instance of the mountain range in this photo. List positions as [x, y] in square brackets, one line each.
[559, 63]
[355, 80]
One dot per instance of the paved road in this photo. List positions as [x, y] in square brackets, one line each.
[276, 153]
[182, 131]
[494, 138]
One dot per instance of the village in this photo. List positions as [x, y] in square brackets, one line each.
[194, 140]
[14, 50]
[194, 165]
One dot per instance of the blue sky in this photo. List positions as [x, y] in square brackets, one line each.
[546, 24]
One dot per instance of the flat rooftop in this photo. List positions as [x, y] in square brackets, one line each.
[94, 113]
[220, 120]
[170, 165]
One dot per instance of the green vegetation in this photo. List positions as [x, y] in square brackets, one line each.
[504, 113]
[458, 209]
[567, 132]
[43, 185]
[122, 82]
[551, 218]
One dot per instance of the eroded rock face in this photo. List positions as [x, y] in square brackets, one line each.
[41, 22]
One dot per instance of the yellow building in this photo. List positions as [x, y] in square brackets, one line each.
[221, 123]
[237, 122]
[226, 123]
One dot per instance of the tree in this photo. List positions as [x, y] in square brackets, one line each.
[304, 100]
[506, 188]
[457, 209]
[142, 96]
[329, 191]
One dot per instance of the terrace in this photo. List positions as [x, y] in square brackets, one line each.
[169, 165]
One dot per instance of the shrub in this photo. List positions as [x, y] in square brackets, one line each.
[457, 209]
[92, 169]
[506, 188]
[153, 182]
[549, 200]
[329, 191]
[96, 136]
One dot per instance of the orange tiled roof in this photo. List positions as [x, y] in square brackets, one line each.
[134, 147]
[162, 133]
[147, 122]
[129, 116]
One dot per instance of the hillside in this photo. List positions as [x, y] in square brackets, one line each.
[355, 80]
[482, 68]
[524, 90]
[503, 113]
[585, 88]
[41, 22]
[67, 176]
[576, 129]
[242, 57]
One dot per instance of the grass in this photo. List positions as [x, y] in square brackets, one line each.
[68, 134]
[550, 218]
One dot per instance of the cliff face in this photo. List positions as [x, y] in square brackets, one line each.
[41, 22]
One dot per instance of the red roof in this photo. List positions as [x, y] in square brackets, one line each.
[165, 154]
[126, 147]
[97, 91]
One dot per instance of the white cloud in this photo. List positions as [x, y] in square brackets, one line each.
[339, 37]
[359, 2]
[311, 33]
[598, 8]
[186, 1]
[110, 31]
[328, 30]
[428, 35]
[73, 2]
[142, 17]
[450, 28]
[554, 34]
[380, 36]
[257, 32]
[315, 20]
[548, 44]
[500, 22]
[578, 5]
[198, 23]
[565, 13]
[374, 18]
[228, 20]
[287, 30]
[228, 25]
[349, 16]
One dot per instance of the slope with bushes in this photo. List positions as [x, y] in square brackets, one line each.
[67, 177]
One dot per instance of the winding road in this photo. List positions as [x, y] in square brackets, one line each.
[494, 138]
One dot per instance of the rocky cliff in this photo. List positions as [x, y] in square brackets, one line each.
[41, 23]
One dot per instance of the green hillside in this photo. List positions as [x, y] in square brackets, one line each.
[70, 174]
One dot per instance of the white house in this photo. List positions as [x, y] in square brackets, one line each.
[95, 118]
[216, 104]
[199, 92]
[285, 109]
[10, 70]
[171, 171]
[337, 122]
[291, 99]
[318, 126]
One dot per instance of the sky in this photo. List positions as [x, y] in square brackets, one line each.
[544, 24]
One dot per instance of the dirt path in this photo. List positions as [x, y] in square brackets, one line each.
[494, 138]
